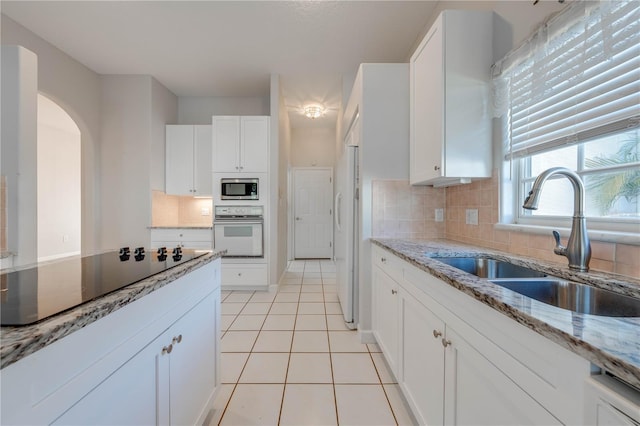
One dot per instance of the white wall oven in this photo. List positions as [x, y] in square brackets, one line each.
[239, 230]
[239, 189]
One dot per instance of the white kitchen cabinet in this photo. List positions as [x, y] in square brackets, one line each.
[183, 237]
[477, 392]
[422, 376]
[461, 362]
[610, 402]
[450, 113]
[137, 377]
[240, 144]
[178, 367]
[188, 160]
[244, 276]
[385, 316]
[153, 361]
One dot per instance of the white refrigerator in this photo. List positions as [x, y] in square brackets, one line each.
[347, 227]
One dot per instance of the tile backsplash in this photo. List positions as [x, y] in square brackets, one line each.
[404, 211]
[180, 211]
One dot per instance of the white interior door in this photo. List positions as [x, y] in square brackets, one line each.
[313, 213]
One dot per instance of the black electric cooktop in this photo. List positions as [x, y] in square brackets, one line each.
[33, 294]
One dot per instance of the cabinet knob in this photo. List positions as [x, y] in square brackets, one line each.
[239, 274]
[446, 342]
[437, 333]
[177, 339]
[436, 168]
[394, 291]
[383, 259]
[167, 349]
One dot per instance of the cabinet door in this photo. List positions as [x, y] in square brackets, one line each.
[126, 397]
[193, 374]
[202, 161]
[179, 160]
[427, 107]
[254, 145]
[226, 144]
[422, 377]
[479, 393]
[386, 316]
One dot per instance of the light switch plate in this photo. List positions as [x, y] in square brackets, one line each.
[471, 217]
[439, 215]
[205, 211]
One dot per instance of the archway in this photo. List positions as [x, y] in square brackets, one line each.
[59, 182]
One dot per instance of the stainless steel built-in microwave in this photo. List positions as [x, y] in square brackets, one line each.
[239, 189]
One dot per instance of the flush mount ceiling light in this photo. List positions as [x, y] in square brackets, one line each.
[313, 111]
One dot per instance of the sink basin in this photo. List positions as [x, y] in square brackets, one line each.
[574, 297]
[490, 268]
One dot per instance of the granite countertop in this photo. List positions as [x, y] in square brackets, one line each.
[610, 343]
[181, 227]
[18, 342]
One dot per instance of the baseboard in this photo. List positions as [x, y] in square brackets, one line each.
[366, 336]
[58, 256]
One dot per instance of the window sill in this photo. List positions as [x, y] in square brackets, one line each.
[594, 235]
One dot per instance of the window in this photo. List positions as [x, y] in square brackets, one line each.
[570, 97]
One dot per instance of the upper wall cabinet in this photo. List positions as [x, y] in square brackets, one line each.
[450, 108]
[240, 144]
[188, 160]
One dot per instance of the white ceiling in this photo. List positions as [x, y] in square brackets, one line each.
[230, 48]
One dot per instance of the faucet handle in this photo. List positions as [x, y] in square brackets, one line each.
[559, 249]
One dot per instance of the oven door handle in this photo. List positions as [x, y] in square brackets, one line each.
[237, 222]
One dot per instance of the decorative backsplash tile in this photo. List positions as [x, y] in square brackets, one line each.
[174, 210]
[404, 211]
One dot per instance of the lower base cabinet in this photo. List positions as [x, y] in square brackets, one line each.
[422, 376]
[244, 276]
[478, 393]
[451, 373]
[168, 382]
[155, 361]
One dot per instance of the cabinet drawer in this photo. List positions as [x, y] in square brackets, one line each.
[189, 238]
[244, 275]
[389, 263]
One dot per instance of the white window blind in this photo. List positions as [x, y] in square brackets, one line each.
[576, 78]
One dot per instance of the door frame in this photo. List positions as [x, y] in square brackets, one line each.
[291, 209]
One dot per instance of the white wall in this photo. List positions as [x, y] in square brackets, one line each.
[313, 147]
[59, 178]
[284, 164]
[126, 165]
[199, 109]
[164, 110]
[77, 89]
[19, 150]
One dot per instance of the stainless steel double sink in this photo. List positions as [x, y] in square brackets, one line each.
[548, 289]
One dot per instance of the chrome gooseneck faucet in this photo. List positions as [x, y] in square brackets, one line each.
[578, 249]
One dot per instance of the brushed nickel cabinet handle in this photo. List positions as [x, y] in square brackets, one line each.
[177, 339]
[394, 291]
[437, 334]
[446, 342]
[167, 349]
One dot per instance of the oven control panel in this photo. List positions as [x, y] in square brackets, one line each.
[238, 211]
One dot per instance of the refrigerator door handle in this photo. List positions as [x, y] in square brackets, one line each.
[336, 209]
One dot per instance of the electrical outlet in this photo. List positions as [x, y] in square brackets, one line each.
[439, 215]
[205, 211]
[471, 216]
[65, 238]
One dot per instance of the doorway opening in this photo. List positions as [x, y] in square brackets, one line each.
[59, 182]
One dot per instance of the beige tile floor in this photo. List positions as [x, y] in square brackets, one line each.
[287, 358]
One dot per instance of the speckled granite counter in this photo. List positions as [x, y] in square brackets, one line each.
[181, 227]
[18, 342]
[610, 343]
